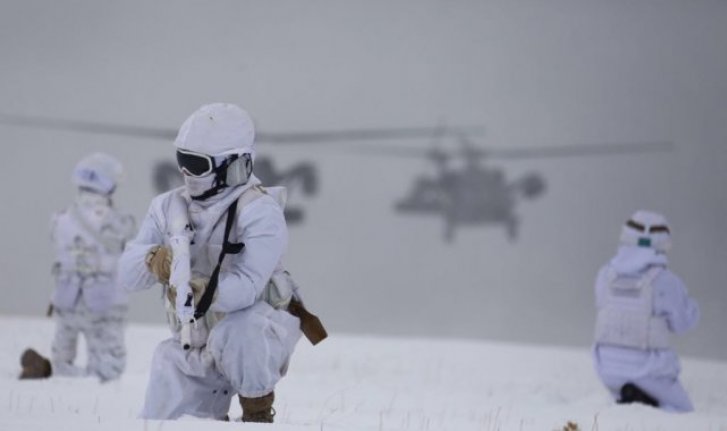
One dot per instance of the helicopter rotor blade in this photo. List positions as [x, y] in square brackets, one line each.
[392, 151]
[470, 150]
[313, 137]
[48, 123]
[464, 134]
[435, 154]
[584, 150]
[362, 134]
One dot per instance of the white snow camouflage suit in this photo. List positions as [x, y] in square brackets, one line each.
[653, 369]
[88, 238]
[247, 351]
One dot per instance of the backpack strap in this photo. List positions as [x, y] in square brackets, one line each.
[650, 276]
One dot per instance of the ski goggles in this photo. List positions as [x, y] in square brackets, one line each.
[195, 164]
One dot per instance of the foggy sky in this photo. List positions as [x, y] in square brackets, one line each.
[533, 73]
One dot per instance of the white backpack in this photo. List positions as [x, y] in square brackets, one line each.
[627, 318]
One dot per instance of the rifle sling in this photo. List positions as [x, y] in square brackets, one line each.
[227, 248]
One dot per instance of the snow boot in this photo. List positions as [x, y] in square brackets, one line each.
[34, 365]
[258, 409]
[630, 393]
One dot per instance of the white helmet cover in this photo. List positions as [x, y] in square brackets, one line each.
[99, 172]
[217, 129]
[647, 229]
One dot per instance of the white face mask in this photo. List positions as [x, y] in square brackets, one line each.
[94, 205]
[89, 198]
[196, 186]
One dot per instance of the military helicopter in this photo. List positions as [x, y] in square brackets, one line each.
[301, 178]
[479, 194]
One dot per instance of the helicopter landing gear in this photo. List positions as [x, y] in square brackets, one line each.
[294, 215]
[512, 228]
[449, 231]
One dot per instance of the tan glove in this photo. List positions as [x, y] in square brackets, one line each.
[159, 262]
[198, 286]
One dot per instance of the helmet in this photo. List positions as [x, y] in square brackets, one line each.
[215, 149]
[215, 129]
[647, 229]
[98, 172]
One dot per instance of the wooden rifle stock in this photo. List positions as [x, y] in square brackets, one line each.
[310, 324]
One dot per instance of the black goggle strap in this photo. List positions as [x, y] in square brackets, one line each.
[652, 229]
[637, 226]
[659, 229]
[227, 248]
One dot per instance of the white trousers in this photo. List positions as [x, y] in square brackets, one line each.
[104, 335]
[247, 353]
[656, 372]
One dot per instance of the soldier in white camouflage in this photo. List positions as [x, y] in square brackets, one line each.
[216, 246]
[88, 238]
[641, 303]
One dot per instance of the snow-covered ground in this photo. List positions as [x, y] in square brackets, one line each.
[363, 383]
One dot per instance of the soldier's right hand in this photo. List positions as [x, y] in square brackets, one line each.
[159, 262]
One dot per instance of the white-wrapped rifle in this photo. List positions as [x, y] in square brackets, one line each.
[180, 236]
